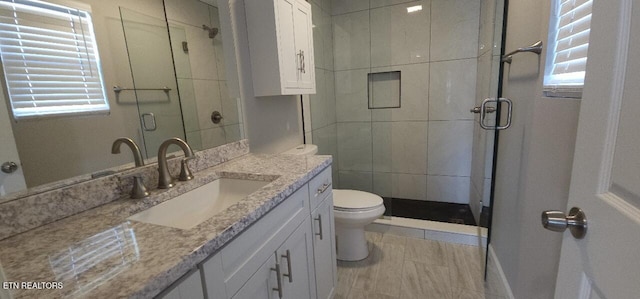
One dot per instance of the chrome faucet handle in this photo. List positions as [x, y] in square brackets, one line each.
[185, 172]
[139, 190]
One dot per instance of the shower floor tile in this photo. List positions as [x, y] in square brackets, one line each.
[431, 210]
[403, 267]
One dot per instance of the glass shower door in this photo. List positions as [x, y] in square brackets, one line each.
[154, 79]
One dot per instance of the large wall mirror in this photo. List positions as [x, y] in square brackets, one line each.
[168, 68]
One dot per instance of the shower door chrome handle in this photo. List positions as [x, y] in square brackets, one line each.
[152, 119]
[477, 110]
[484, 110]
[509, 113]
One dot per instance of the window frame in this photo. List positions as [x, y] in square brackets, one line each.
[557, 90]
[103, 106]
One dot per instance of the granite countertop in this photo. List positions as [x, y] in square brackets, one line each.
[100, 254]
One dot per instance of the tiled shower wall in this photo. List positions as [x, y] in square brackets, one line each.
[320, 108]
[489, 44]
[422, 150]
[201, 75]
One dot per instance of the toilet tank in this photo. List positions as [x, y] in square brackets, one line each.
[303, 150]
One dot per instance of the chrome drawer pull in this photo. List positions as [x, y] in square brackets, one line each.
[279, 288]
[324, 187]
[288, 257]
[319, 219]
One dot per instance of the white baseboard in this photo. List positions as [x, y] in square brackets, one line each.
[503, 278]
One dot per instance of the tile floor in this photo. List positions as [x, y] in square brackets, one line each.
[403, 267]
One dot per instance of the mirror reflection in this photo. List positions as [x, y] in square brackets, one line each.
[165, 74]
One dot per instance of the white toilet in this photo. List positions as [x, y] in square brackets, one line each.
[352, 210]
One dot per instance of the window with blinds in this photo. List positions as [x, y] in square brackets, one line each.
[50, 60]
[568, 45]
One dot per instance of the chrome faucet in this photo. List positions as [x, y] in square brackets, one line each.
[139, 190]
[165, 181]
[137, 155]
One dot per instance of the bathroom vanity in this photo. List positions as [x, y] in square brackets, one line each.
[288, 253]
[277, 242]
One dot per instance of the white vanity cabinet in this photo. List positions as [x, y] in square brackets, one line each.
[288, 253]
[281, 47]
[286, 274]
[320, 192]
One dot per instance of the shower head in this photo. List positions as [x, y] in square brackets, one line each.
[212, 31]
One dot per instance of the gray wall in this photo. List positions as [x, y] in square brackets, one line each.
[52, 149]
[535, 160]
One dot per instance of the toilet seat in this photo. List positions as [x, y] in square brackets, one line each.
[355, 201]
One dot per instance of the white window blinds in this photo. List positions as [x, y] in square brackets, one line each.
[569, 42]
[50, 60]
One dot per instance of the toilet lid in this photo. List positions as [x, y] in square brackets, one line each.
[355, 200]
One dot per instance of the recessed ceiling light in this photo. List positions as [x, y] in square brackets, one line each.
[411, 9]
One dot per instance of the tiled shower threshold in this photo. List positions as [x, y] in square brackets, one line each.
[430, 230]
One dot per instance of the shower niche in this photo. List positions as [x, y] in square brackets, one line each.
[384, 90]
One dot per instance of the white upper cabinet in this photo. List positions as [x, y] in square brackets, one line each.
[281, 47]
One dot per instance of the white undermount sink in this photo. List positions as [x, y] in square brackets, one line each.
[190, 209]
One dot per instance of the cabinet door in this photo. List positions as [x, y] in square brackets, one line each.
[296, 264]
[304, 43]
[189, 287]
[213, 277]
[263, 284]
[289, 58]
[324, 249]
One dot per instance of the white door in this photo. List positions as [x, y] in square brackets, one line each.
[606, 171]
[14, 181]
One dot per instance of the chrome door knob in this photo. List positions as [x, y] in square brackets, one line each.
[9, 167]
[558, 221]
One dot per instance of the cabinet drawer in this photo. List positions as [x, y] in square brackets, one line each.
[244, 255]
[320, 187]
